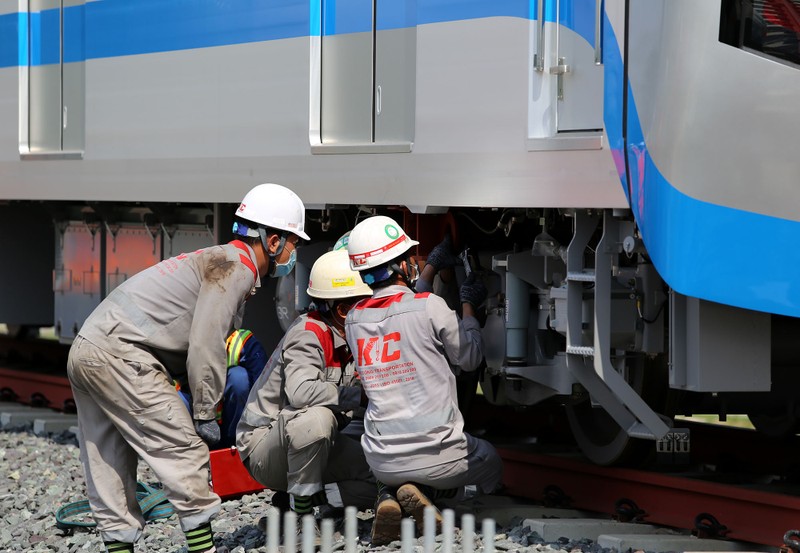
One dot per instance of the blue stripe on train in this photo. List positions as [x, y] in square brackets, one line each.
[704, 250]
[127, 27]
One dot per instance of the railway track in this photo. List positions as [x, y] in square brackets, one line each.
[735, 486]
[34, 489]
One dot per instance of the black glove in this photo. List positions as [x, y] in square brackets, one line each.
[442, 255]
[208, 431]
[473, 291]
[342, 420]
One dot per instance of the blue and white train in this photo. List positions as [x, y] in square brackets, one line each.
[625, 174]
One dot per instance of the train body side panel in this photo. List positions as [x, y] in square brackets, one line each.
[711, 176]
[166, 121]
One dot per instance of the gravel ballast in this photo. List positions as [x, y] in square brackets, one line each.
[40, 474]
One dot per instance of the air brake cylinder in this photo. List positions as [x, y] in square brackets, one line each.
[517, 319]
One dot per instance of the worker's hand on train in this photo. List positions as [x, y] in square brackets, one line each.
[473, 291]
[442, 255]
[208, 431]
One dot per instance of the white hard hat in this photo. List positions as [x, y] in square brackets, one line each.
[332, 278]
[376, 241]
[274, 206]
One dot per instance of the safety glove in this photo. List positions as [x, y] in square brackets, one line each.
[472, 291]
[208, 431]
[442, 255]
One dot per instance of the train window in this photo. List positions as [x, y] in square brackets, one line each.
[55, 89]
[771, 27]
[367, 73]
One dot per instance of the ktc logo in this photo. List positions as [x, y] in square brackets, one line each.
[367, 348]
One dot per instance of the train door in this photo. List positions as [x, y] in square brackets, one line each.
[56, 77]
[576, 63]
[567, 75]
[367, 72]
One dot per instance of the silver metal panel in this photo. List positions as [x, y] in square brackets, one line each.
[45, 108]
[591, 140]
[542, 96]
[523, 179]
[9, 114]
[395, 84]
[74, 95]
[741, 107]
[373, 148]
[76, 278]
[39, 5]
[718, 348]
[581, 107]
[346, 101]
[615, 12]
[9, 6]
[472, 86]
[129, 249]
[138, 108]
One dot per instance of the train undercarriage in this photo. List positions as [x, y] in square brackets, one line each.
[577, 319]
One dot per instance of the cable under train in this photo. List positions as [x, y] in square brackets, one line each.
[622, 174]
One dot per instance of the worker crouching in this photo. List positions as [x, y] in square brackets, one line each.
[407, 345]
[289, 435]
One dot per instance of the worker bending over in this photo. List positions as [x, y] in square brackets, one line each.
[166, 321]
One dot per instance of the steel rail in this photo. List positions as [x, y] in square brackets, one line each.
[750, 515]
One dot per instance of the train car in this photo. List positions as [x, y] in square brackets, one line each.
[620, 173]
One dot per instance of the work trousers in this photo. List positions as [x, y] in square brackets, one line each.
[303, 450]
[482, 468]
[125, 410]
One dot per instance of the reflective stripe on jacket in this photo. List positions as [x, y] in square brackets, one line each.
[235, 344]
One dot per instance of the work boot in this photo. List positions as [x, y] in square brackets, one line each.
[329, 512]
[413, 502]
[279, 500]
[386, 524]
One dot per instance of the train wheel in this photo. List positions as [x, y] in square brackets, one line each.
[600, 438]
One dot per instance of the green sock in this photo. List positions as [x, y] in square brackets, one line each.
[301, 504]
[118, 547]
[200, 539]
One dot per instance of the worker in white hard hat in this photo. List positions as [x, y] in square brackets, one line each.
[407, 346]
[290, 433]
[167, 322]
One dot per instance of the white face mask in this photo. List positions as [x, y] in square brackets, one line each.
[283, 269]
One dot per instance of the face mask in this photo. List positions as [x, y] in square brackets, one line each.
[283, 269]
